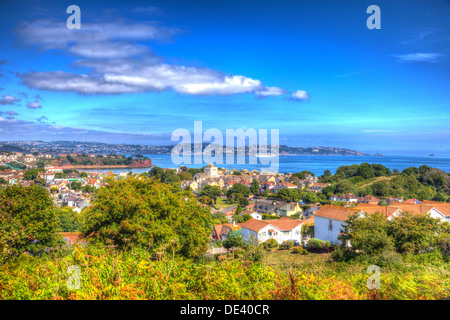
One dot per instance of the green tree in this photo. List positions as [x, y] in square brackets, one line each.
[212, 192]
[365, 170]
[184, 175]
[170, 176]
[68, 220]
[31, 174]
[366, 233]
[232, 242]
[254, 188]
[83, 175]
[148, 214]
[414, 232]
[27, 220]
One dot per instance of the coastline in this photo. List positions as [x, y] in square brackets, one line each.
[107, 167]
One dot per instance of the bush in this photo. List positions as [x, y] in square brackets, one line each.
[298, 250]
[286, 245]
[318, 244]
[305, 252]
[271, 243]
[389, 258]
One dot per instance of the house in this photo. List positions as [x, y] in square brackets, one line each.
[211, 170]
[412, 201]
[349, 197]
[283, 185]
[289, 209]
[189, 183]
[317, 187]
[330, 220]
[253, 214]
[281, 230]
[368, 199]
[220, 231]
[308, 212]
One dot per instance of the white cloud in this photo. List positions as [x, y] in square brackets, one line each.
[417, 57]
[34, 105]
[300, 95]
[270, 92]
[8, 99]
[119, 64]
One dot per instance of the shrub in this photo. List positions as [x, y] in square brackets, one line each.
[297, 250]
[314, 243]
[286, 245]
[389, 258]
[271, 243]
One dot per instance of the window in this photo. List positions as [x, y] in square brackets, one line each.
[285, 233]
[263, 234]
[330, 225]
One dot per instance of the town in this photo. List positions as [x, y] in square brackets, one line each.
[289, 207]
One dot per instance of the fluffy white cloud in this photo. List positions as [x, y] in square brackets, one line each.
[120, 64]
[300, 95]
[34, 105]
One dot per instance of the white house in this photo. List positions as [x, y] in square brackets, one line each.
[280, 229]
[329, 220]
[349, 197]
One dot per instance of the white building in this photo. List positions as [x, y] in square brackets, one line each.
[283, 229]
[329, 220]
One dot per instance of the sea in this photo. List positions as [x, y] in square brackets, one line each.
[292, 164]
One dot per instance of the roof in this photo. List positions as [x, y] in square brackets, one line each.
[335, 212]
[443, 207]
[285, 223]
[254, 225]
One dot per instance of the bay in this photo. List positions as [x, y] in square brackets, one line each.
[292, 164]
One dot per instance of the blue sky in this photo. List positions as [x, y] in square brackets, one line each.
[138, 70]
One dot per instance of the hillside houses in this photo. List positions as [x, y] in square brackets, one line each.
[280, 208]
[329, 220]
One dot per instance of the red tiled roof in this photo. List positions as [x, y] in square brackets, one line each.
[254, 225]
[335, 212]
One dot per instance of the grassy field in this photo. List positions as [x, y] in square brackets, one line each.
[106, 274]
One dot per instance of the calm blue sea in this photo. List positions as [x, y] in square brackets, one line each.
[315, 164]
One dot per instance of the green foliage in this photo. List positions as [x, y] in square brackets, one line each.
[288, 195]
[83, 175]
[286, 245]
[254, 187]
[238, 188]
[307, 230]
[185, 175]
[170, 176]
[253, 250]
[212, 192]
[147, 214]
[31, 174]
[27, 221]
[412, 233]
[318, 244]
[68, 220]
[367, 233]
[270, 244]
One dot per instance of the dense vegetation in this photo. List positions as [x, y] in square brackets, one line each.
[145, 239]
[423, 183]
